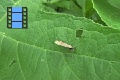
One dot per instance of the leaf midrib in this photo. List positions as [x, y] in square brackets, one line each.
[57, 51]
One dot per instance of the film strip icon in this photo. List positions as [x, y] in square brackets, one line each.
[17, 17]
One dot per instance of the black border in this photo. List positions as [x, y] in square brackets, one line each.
[26, 17]
[8, 16]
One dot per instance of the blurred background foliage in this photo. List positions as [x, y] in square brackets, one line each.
[78, 8]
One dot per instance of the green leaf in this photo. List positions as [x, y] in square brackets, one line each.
[31, 54]
[89, 12]
[79, 33]
[68, 7]
[3, 5]
[108, 12]
[115, 3]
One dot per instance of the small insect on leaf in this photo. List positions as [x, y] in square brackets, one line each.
[64, 45]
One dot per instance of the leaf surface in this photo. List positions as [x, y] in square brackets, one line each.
[30, 54]
[109, 11]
